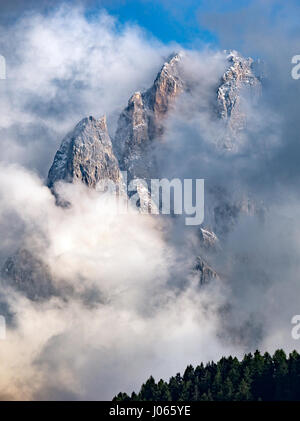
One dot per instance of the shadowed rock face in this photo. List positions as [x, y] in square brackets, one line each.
[205, 272]
[29, 275]
[85, 155]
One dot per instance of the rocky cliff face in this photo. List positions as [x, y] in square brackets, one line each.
[85, 155]
[142, 120]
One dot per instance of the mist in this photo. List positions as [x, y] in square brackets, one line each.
[128, 304]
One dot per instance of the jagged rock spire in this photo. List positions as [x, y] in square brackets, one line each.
[142, 120]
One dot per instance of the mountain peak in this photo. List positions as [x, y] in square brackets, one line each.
[172, 60]
[142, 120]
[85, 155]
[91, 122]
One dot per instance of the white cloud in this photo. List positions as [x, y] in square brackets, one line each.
[142, 324]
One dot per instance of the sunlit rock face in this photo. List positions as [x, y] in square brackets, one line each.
[142, 120]
[85, 155]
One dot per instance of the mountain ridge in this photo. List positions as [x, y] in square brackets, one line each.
[88, 155]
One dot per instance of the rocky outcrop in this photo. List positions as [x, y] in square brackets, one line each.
[85, 155]
[208, 240]
[204, 271]
[142, 120]
[239, 81]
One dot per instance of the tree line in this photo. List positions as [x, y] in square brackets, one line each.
[256, 377]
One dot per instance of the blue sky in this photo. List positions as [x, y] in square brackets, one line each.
[186, 22]
[182, 21]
